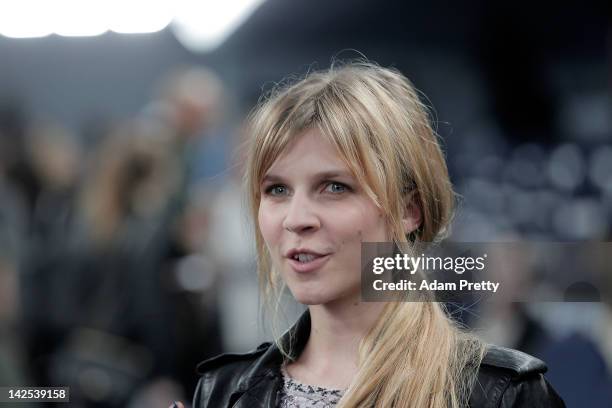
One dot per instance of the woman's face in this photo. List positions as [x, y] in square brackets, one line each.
[313, 217]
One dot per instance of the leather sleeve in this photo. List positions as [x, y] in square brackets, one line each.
[531, 391]
[200, 396]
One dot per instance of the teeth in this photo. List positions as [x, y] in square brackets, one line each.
[304, 257]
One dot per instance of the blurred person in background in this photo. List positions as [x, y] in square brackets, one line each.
[104, 312]
[13, 357]
[17, 171]
[19, 188]
[191, 103]
[54, 154]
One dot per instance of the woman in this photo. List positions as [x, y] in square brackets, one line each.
[343, 157]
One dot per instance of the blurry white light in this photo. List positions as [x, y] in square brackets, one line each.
[25, 19]
[580, 219]
[75, 18]
[35, 18]
[566, 168]
[138, 16]
[202, 25]
[600, 171]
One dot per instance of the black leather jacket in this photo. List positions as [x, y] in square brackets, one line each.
[507, 378]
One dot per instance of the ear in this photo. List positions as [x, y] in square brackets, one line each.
[412, 217]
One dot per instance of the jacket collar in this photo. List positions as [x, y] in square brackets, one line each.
[269, 363]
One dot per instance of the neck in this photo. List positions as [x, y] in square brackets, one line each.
[331, 323]
[335, 332]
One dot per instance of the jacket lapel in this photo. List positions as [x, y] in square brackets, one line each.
[258, 387]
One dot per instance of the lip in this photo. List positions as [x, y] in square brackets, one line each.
[306, 267]
[291, 253]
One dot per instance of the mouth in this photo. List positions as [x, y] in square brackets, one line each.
[304, 261]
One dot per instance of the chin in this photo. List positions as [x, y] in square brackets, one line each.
[318, 296]
[311, 298]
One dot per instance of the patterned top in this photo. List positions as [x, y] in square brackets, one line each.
[297, 395]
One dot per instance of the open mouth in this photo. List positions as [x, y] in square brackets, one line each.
[306, 257]
[307, 262]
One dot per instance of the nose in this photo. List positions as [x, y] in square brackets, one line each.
[301, 216]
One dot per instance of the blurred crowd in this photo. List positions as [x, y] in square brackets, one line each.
[540, 170]
[106, 280]
[125, 260]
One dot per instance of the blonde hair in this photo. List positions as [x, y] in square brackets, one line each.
[414, 356]
[133, 174]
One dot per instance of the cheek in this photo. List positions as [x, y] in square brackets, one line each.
[268, 224]
[362, 223]
[378, 228]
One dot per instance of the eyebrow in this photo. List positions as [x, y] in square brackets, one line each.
[270, 177]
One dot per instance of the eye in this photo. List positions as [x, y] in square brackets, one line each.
[336, 188]
[276, 190]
